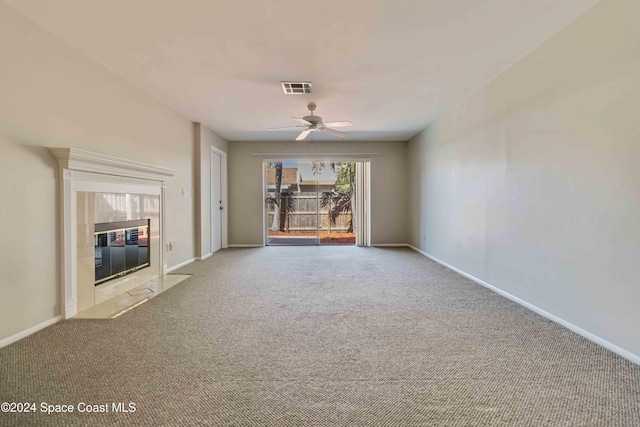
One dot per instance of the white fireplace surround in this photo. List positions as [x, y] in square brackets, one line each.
[90, 172]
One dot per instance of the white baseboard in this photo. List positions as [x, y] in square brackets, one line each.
[70, 309]
[202, 258]
[390, 245]
[32, 330]
[578, 330]
[245, 246]
[182, 264]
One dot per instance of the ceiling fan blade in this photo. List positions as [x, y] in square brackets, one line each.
[288, 128]
[338, 124]
[334, 133]
[301, 120]
[303, 135]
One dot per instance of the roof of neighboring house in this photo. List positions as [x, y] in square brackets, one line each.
[289, 176]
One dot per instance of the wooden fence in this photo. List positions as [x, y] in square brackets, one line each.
[300, 214]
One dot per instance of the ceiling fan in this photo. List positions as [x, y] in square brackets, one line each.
[313, 123]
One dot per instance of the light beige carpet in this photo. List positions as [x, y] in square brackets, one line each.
[322, 336]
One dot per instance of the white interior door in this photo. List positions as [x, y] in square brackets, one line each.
[216, 202]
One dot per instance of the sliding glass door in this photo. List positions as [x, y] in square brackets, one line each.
[337, 186]
[310, 203]
[292, 203]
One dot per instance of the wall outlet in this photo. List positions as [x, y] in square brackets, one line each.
[169, 246]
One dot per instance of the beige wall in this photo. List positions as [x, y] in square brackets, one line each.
[205, 139]
[531, 184]
[388, 186]
[50, 95]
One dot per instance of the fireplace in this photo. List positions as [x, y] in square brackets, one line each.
[96, 189]
[120, 249]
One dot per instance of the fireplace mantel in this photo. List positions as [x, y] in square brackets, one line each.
[84, 171]
[86, 161]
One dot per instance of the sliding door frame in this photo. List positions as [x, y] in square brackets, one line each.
[363, 188]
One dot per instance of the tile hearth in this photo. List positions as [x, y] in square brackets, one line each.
[120, 304]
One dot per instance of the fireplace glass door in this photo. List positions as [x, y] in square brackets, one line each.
[120, 248]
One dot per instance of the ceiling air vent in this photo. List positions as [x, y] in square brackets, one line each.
[296, 88]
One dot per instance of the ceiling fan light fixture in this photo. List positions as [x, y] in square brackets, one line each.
[311, 123]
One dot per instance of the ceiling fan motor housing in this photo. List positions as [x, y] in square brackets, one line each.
[316, 121]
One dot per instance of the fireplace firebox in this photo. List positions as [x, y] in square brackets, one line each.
[120, 248]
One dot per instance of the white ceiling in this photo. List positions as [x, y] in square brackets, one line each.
[389, 66]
